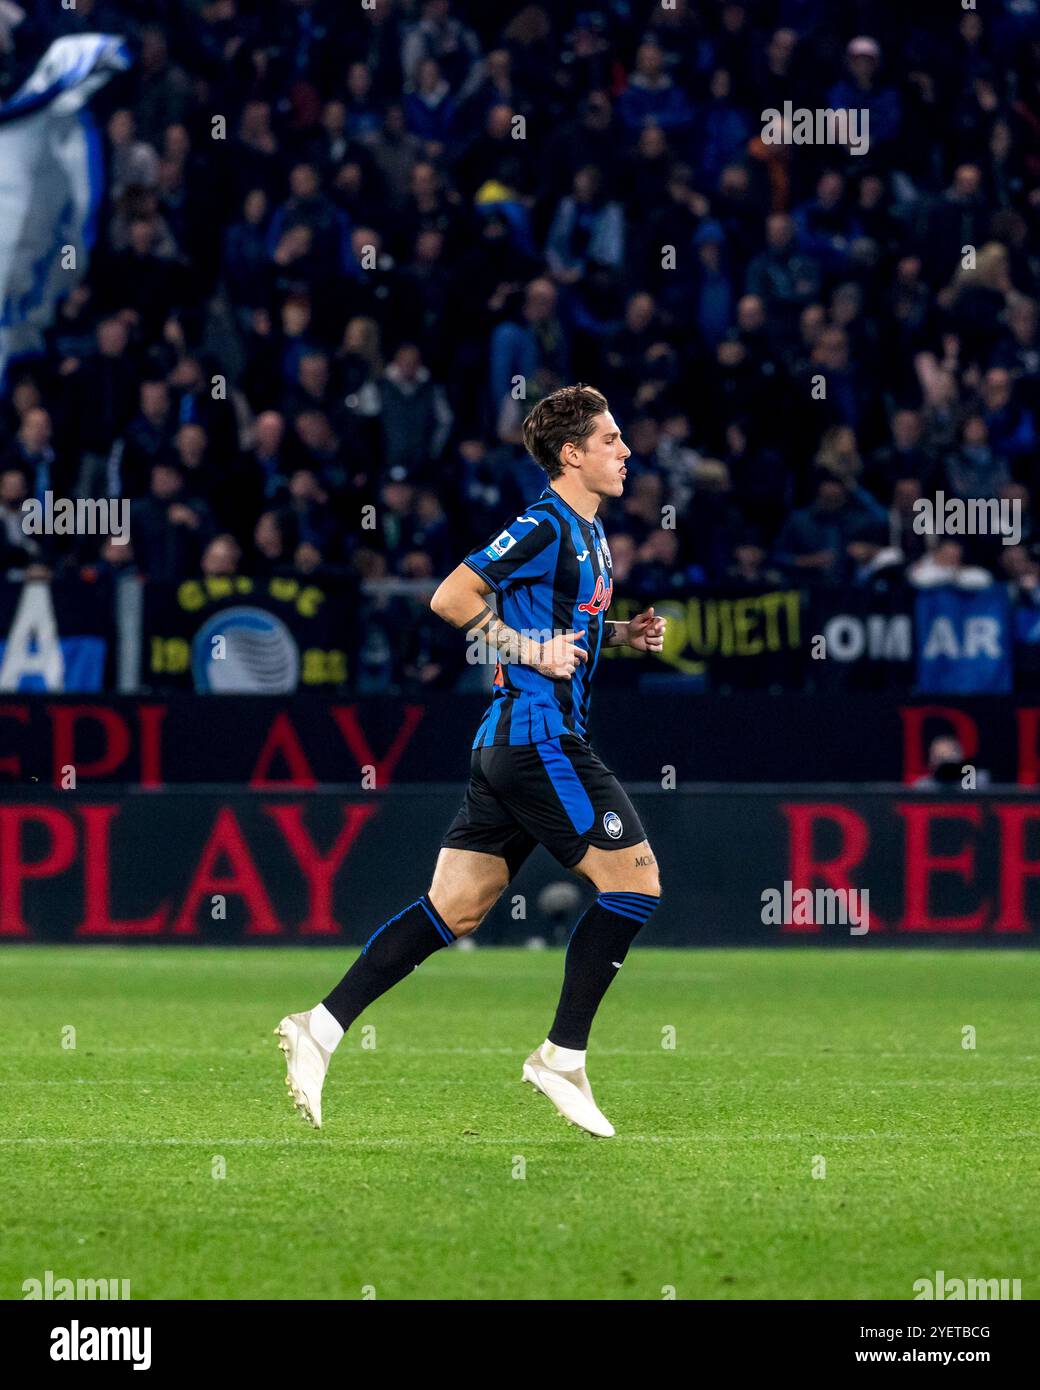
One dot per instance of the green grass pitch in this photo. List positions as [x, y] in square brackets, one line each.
[414, 1188]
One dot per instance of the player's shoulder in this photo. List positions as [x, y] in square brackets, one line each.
[541, 513]
[527, 534]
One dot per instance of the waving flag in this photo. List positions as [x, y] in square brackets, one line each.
[50, 185]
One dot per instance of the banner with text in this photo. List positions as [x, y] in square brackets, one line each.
[718, 637]
[964, 641]
[743, 867]
[237, 635]
[266, 742]
[57, 635]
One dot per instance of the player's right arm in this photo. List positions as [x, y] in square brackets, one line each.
[461, 600]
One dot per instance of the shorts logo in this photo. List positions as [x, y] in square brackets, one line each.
[612, 824]
[500, 545]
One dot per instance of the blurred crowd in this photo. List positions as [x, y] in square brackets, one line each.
[343, 250]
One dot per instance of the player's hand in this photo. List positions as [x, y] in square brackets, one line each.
[646, 633]
[561, 656]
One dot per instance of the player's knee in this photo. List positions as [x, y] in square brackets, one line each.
[649, 882]
[462, 912]
[647, 875]
[645, 880]
[463, 923]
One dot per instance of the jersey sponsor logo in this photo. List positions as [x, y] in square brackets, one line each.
[584, 555]
[600, 600]
[500, 545]
[612, 824]
[531, 520]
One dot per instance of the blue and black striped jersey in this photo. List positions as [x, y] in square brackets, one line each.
[551, 572]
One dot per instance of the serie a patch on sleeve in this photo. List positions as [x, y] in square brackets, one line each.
[500, 545]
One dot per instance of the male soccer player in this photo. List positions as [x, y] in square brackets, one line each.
[533, 777]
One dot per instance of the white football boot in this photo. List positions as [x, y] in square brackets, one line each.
[570, 1092]
[307, 1062]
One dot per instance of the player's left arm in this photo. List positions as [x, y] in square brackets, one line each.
[644, 632]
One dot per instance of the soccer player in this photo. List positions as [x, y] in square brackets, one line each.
[533, 777]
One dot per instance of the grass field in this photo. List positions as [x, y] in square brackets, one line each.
[109, 1149]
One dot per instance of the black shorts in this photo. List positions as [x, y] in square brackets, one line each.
[556, 793]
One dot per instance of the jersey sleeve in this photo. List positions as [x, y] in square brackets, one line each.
[522, 554]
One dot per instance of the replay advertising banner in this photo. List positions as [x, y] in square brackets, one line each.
[304, 742]
[828, 867]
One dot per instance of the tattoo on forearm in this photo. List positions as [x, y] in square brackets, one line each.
[479, 621]
[510, 647]
[642, 860]
[616, 634]
[514, 648]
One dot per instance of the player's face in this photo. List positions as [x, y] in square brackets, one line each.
[603, 465]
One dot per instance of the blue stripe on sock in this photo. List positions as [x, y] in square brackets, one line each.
[644, 899]
[623, 912]
[638, 909]
[445, 932]
[387, 923]
[637, 899]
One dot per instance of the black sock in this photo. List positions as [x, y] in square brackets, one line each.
[598, 946]
[389, 954]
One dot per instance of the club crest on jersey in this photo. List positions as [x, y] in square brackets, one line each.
[612, 824]
[500, 545]
[600, 600]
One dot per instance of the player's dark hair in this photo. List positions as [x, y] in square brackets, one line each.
[564, 417]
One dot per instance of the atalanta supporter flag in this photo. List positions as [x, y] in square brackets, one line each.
[963, 641]
[50, 185]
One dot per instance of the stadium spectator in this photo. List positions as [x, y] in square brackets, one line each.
[31, 454]
[1010, 428]
[222, 557]
[750, 568]
[813, 544]
[1022, 573]
[429, 110]
[782, 276]
[945, 566]
[877, 566]
[533, 350]
[587, 231]
[906, 536]
[862, 89]
[170, 528]
[651, 97]
[416, 417]
[149, 436]
[947, 765]
[21, 556]
[975, 470]
[443, 37]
